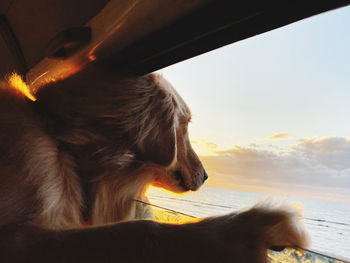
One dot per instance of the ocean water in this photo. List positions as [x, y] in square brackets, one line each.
[328, 223]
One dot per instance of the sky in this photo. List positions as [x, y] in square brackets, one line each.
[271, 113]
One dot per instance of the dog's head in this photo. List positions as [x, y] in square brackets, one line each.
[162, 139]
[142, 115]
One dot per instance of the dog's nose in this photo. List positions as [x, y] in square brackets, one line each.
[205, 175]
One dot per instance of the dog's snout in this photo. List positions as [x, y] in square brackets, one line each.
[205, 175]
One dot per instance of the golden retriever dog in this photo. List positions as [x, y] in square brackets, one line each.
[84, 150]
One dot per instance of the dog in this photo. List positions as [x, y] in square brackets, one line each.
[83, 149]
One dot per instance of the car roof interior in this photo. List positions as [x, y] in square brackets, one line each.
[44, 40]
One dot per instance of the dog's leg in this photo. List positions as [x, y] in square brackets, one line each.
[240, 238]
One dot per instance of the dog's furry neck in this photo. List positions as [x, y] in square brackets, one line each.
[108, 183]
[88, 169]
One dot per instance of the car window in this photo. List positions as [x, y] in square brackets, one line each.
[270, 121]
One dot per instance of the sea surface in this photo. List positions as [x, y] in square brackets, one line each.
[327, 222]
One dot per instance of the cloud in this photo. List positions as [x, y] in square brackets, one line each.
[332, 152]
[207, 144]
[279, 136]
[312, 162]
[204, 147]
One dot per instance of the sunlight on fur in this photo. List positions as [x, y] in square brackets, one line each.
[18, 83]
[167, 191]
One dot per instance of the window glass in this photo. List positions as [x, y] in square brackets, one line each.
[271, 120]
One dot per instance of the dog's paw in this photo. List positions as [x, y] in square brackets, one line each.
[280, 226]
[275, 226]
[248, 235]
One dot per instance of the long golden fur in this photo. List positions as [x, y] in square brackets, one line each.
[84, 150]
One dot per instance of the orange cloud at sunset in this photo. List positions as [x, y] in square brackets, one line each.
[203, 147]
[279, 136]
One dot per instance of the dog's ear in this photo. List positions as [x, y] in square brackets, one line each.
[156, 135]
[159, 145]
